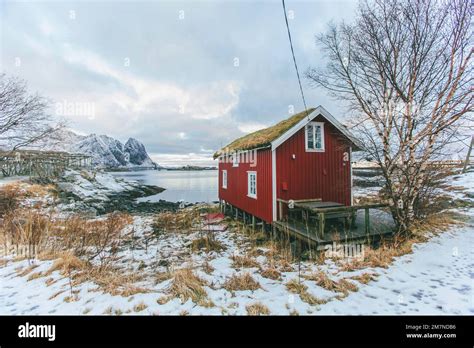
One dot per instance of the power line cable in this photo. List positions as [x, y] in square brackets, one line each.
[293, 54]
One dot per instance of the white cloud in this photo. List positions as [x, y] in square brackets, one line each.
[46, 27]
[137, 95]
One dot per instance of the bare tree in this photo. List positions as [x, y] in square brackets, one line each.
[404, 69]
[23, 116]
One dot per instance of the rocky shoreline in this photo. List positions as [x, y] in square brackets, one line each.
[127, 201]
[97, 193]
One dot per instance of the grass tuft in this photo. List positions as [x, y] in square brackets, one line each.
[271, 273]
[241, 282]
[187, 285]
[257, 309]
[208, 243]
[301, 289]
[244, 262]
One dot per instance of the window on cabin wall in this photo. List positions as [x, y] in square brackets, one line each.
[235, 159]
[315, 136]
[252, 184]
[224, 179]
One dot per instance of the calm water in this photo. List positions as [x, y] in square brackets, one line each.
[189, 186]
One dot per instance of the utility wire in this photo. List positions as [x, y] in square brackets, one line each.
[293, 54]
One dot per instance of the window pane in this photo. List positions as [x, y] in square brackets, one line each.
[252, 188]
[309, 132]
[318, 143]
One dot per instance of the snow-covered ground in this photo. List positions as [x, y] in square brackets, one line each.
[437, 278]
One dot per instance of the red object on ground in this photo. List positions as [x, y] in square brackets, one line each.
[214, 218]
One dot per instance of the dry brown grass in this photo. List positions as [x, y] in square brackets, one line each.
[244, 261]
[67, 263]
[25, 271]
[301, 289]
[437, 223]
[162, 276]
[36, 275]
[265, 136]
[9, 195]
[187, 285]
[295, 286]
[322, 280]
[110, 280]
[50, 236]
[56, 294]
[365, 278]
[50, 281]
[380, 257]
[140, 307]
[385, 254]
[346, 286]
[279, 252]
[206, 266]
[92, 246]
[257, 309]
[114, 281]
[71, 298]
[207, 242]
[271, 273]
[182, 221]
[22, 227]
[241, 282]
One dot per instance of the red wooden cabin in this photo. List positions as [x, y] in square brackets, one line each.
[305, 157]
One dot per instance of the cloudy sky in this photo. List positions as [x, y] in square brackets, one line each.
[185, 78]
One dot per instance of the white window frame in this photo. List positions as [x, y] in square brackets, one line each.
[249, 193]
[224, 179]
[314, 125]
[235, 159]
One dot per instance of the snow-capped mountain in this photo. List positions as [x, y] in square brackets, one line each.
[104, 150]
[137, 153]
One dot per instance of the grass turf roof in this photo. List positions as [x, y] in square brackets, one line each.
[264, 137]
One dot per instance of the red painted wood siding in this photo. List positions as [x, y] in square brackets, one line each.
[314, 174]
[236, 192]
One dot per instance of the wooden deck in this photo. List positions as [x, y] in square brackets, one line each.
[318, 223]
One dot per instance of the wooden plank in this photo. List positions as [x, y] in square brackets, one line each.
[299, 200]
[310, 239]
[347, 208]
[367, 221]
[322, 223]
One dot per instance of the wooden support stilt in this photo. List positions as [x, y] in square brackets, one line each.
[322, 223]
[367, 221]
